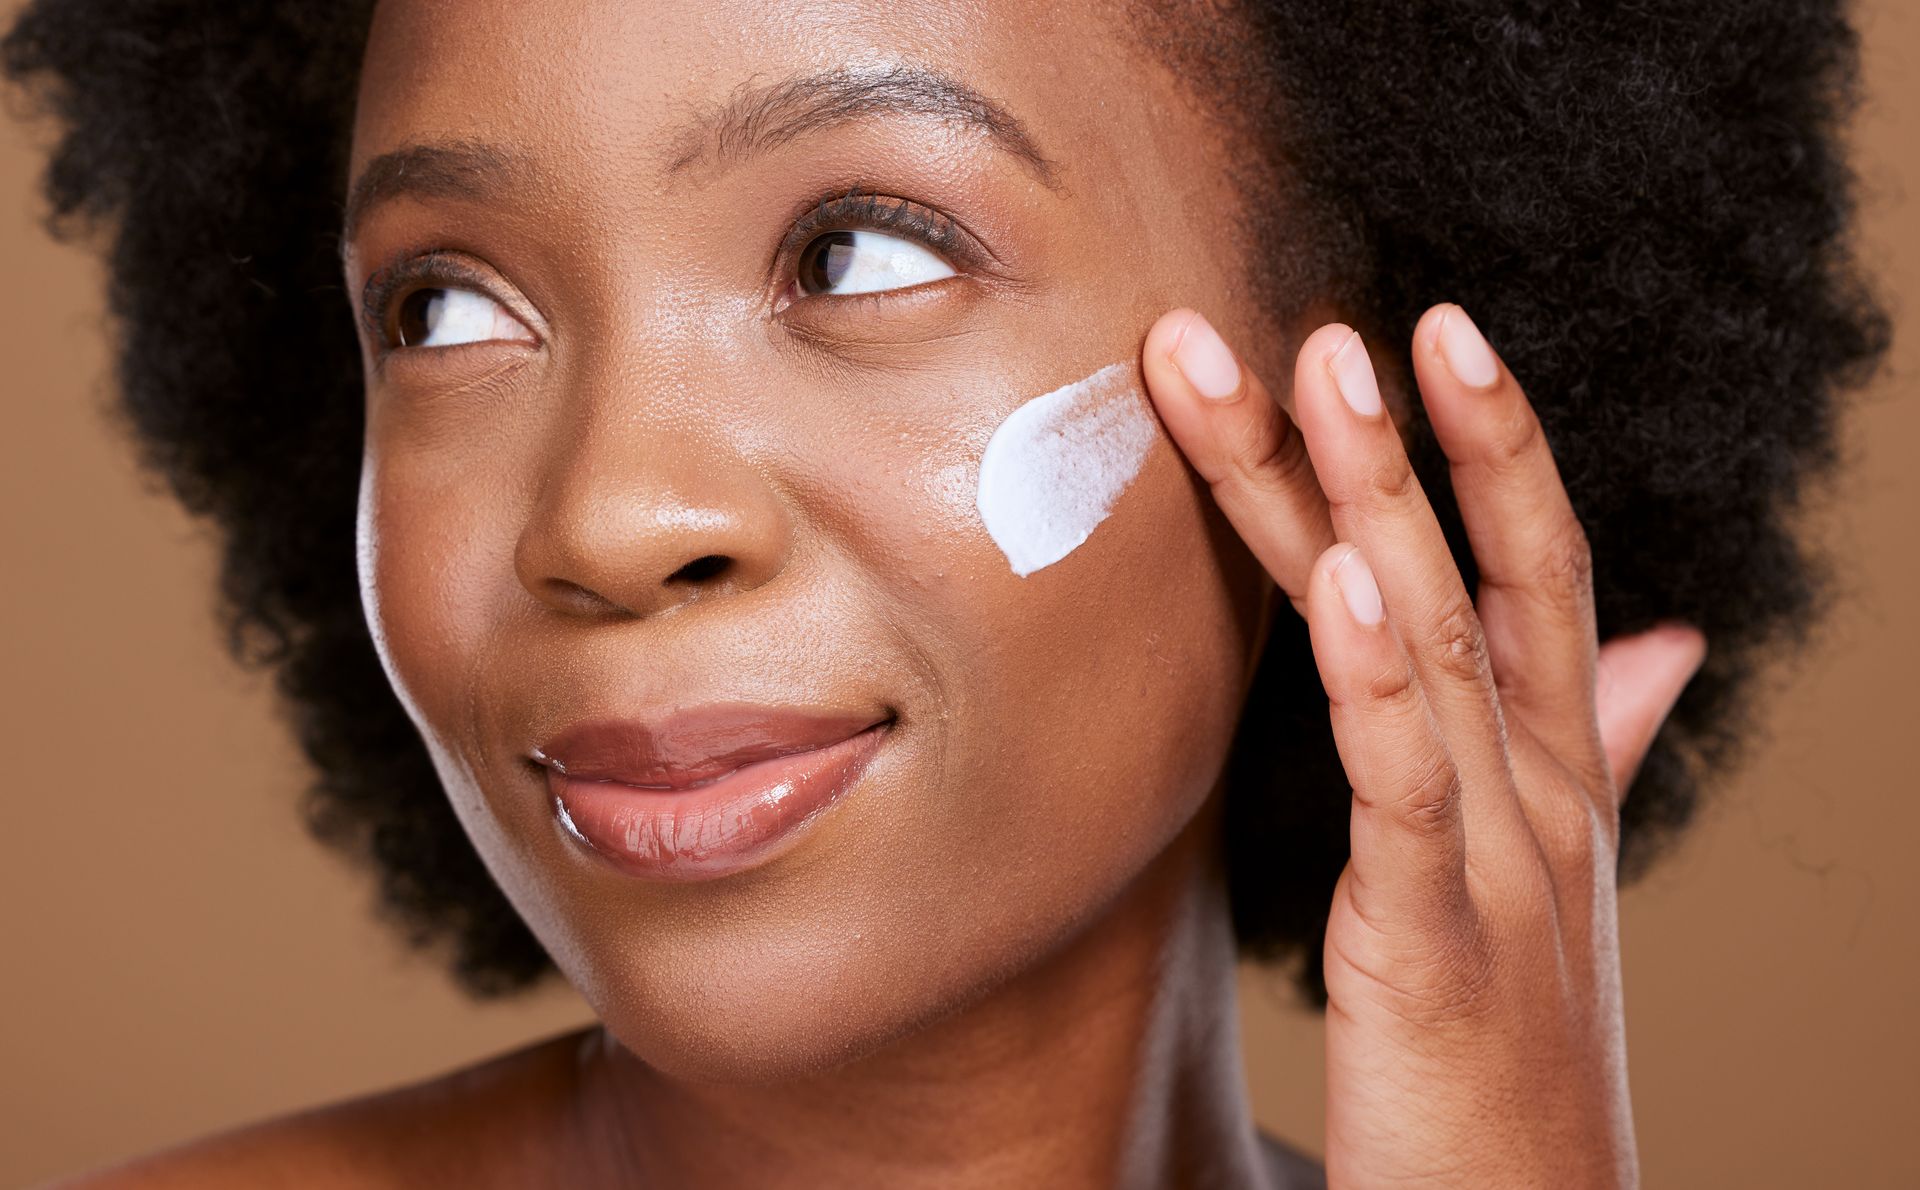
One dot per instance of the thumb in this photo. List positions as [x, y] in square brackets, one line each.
[1637, 680]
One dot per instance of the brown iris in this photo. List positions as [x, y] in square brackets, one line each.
[417, 315]
[825, 260]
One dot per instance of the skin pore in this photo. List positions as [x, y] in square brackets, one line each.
[1004, 958]
[626, 455]
[629, 465]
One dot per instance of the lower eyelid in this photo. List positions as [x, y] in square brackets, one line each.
[454, 368]
[905, 301]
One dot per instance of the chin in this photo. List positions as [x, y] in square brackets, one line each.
[757, 992]
[762, 1020]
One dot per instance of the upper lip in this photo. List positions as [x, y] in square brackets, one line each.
[696, 745]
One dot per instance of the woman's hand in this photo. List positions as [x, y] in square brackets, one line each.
[1474, 1027]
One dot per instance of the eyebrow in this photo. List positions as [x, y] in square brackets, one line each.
[761, 116]
[441, 169]
[756, 118]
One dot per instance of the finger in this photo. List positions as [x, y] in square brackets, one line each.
[1639, 678]
[1408, 833]
[1536, 591]
[1242, 443]
[1377, 503]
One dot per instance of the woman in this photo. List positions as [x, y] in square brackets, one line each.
[860, 516]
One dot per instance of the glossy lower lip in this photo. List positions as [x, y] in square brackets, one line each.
[726, 825]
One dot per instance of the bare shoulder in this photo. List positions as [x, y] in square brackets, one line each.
[467, 1127]
[324, 1147]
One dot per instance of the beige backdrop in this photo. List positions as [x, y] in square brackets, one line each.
[186, 959]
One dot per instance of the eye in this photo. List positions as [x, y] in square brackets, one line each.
[861, 261]
[447, 317]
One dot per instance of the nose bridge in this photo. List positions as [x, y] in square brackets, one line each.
[643, 502]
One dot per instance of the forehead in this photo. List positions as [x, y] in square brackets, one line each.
[650, 84]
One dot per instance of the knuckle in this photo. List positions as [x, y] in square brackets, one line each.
[1565, 566]
[1431, 800]
[1515, 442]
[1459, 645]
[1391, 484]
[1374, 493]
[1393, 690]
[1267, 453]
[1574, 836]
[1571, 847]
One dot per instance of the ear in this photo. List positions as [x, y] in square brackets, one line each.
[1637, 680]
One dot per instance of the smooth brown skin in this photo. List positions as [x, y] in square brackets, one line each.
[1006, 958]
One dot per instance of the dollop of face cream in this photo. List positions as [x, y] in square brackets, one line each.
[1054, 467]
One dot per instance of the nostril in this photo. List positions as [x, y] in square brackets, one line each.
[701, 569]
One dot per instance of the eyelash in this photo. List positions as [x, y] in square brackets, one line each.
[403, 268]
[840, 212]
[868, 209]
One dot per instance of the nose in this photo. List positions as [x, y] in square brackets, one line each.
[630, 523]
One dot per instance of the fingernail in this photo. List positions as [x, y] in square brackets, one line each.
[1353, 376]
[1465, 350]
[1357, 589]
[1203, 358]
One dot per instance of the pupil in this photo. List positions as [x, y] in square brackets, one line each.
[419, 311]
[826, 260]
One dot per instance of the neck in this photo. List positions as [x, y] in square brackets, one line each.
[1114, 1062]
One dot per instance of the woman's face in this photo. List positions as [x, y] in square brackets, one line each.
[637, 452]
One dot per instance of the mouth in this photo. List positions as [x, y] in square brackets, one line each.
[704, 793]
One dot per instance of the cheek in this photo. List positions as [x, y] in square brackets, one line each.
[1067, 722]
[423, 567]
[435, 570]
[1073, 722]
[1091, 618]
[1117, 664]
[1110, 681]
[1055, 466]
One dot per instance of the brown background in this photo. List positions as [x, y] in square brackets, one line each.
[182, 958]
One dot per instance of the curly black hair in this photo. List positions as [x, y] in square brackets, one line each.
[1645, 203]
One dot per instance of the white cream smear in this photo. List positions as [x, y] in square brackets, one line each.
[1054, 467]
